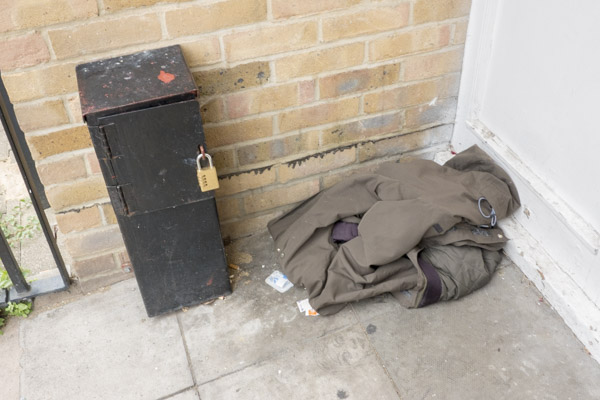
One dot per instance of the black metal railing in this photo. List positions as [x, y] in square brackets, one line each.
[21, 289]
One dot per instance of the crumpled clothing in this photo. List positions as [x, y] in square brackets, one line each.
[344, 231]
[407, 210]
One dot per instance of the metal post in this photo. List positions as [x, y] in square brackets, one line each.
[11, 266]
[16, 139]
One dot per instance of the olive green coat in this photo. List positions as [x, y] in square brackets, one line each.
[406, 210]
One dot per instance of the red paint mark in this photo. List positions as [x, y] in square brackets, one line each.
[165, 76]
[209, 281]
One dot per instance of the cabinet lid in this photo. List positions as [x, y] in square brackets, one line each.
[133, 82]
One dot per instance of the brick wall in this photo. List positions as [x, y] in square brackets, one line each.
[295, 95]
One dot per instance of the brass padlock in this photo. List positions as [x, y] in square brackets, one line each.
[207, 177]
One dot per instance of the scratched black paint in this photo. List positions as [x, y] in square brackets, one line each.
[145, 126]
[131, 82]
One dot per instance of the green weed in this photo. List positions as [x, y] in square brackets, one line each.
[15, 227]
[22, 309]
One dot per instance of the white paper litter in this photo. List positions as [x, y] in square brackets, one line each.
[305, 307]
[279, 282]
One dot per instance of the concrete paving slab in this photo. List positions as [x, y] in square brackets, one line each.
[340, 365]
[501, 342]
[35, 252]
[103, 347]
[4, 145]
[252, 325]
[10, 349]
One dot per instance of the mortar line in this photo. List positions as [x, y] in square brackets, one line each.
[269, 11]
[81, 58]
[321, 102]
[100, 5]
[377, 355]
[334, 150]
[186, 349]
[308, 129]
[162, 18]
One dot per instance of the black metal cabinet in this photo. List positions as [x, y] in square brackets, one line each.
[146, 128]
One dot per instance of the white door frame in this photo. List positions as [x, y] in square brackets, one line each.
[550, 242]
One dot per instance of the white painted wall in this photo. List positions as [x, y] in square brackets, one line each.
[530, 93]
[543, 94]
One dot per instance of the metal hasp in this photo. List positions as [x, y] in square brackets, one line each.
[21, 289]
[145, 125]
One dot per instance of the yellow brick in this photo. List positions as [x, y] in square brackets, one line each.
[223, 160]
[359, 80]
[51, 81]
[319, 61]
[337, 176]
[74, 107]
[278, 148]
[116, 5]
[62, 171]
[41, 115]
[431, 65]
[442, 112]
[306, 92]
[290, 8]
[212, 110]
[319, 114]
[401, 97]
[228, 208]
[460, 32]
[73, 194]
[22, 51]
[109, 214]
[245, 181]
[248, 226]
[90, 268]
[219, 81]
[99, 272]
[93, 163]
[377, 19]
[108, 277]
[412, 94]
[59, 142]
[95, 242]
[316, 164]
[24, 14]
[238, 132]
[103, 35]
[203, 52]
[270, 40]
[281, 196]
[401, 144]
[439, 10]
[414, 41]
[262, 100]
[212, 17]
[365, 128]
[78, 220]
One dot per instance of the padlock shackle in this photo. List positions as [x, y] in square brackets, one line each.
[200, 156]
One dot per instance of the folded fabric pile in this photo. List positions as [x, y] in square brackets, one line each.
[418, 230]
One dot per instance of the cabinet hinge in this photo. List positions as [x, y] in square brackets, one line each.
[117, 198]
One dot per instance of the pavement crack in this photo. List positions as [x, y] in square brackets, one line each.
[377, 355]
[170, 396]
[186, 349]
